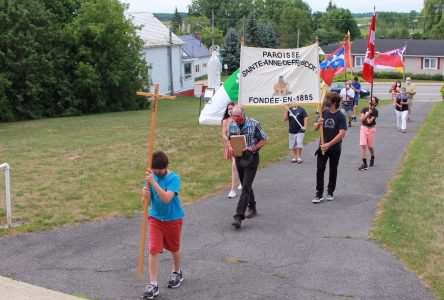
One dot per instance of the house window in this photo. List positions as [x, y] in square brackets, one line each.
[359, 61]
[204, 66]
[430, 63]
[187, 68]
[197, 68]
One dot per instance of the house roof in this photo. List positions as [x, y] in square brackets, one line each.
[153, 32]
[414, 47]
[194, 48]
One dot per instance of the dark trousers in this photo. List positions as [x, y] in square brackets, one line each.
[333, 156]
[246, 176]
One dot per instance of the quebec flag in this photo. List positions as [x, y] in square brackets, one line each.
[333, 65]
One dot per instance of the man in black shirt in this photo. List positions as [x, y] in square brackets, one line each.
[334, 125]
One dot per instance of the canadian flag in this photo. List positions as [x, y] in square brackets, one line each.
[369, 61]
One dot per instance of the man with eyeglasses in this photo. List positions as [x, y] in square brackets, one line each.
[248, 162]
[410, 91]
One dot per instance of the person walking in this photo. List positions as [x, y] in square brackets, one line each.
[395, 89]
[356, 86]
[297, 124]
[401, 105]
[367, 133]
[410, 91]
[165, 221]
[347, 100]
[227, 153]
[248, 162]
[334, 126]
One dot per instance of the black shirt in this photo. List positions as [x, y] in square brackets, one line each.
[403, 99]
[300, 114]
[374, 113]
[333, 122]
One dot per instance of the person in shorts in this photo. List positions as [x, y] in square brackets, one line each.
[347, 101]
[367, 134]
[297, 124]
[162, 188]
[356, 86]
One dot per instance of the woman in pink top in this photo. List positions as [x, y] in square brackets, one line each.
[227, 153]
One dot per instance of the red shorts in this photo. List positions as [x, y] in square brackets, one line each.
[164, 234]
[367, 136]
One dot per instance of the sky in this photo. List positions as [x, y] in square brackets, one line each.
[168, 6]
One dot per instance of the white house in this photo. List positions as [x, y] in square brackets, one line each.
[163, 53]
[196, 54]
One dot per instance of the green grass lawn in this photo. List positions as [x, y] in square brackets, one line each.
[410, 220]
[71, 170]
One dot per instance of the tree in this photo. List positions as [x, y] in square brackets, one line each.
[268, 36]
[107, 69]
[231, 53]
[176, 22]
[202, 25]
[291, 20]
[432, 18]
[252, 34]
[330, 6]
[341, 21]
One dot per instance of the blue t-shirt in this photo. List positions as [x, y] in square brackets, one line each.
[173, 210]
[357, 86]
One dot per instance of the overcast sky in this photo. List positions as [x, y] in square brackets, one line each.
[168, 6]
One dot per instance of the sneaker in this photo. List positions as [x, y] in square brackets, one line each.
[354, 119]
[293, 160]
[404, 131]
[231, 194]
[175, 279]
[239, 187]
[329, 197]
[299, 161]
[317, 199]
[236, 222]
[363, 167]
[151, 291]
[250, 213]
[372, 162]
[349, 124]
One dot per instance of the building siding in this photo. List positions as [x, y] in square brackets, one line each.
[158, 59]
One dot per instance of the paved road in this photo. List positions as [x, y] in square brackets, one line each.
[293, 249]
[424, 91]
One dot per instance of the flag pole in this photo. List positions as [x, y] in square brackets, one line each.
[403, 61]
[321, 102]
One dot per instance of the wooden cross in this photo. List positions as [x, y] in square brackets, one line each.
[155, 101]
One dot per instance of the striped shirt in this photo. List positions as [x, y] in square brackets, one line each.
[252, 130]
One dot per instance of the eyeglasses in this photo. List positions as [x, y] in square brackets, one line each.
[237, 116]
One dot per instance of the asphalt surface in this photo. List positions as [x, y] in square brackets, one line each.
[424, 91]
[293, 249]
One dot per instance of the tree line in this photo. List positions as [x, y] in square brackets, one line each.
[66, 58]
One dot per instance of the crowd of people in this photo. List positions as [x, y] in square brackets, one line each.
[162, 185]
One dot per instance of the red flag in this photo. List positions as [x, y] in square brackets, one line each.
[390, 59]
[369, 61]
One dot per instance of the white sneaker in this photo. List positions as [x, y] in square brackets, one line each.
[317, 199]
[239, 187]
[231, 194]
[330, 197]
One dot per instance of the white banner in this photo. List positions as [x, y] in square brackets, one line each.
[279, 76]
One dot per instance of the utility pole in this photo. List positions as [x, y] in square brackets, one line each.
[297, 46]
[212, 28]
[170, 57]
